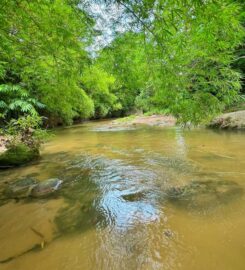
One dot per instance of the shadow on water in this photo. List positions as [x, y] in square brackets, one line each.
[204, 196]
[78, 211]
[79, 192]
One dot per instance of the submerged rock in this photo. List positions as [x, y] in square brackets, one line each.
[18, 155]
[21, 188]
[77, 217]
[46, 187]
[168, 233]
[132, 197]
[233, 120]
[205, 194]
[114, 128]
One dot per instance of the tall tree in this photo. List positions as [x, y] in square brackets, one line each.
[43, 51]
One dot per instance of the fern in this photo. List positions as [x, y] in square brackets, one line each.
[17, 100]
[3, 105]
[2, 70]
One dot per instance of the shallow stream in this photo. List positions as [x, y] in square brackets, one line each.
[128, 201]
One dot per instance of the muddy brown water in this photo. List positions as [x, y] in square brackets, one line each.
[112, 211]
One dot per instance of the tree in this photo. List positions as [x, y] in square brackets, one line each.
[171, 56]
[43, 50]
[99, 85]
[126, 59]
[190, 48]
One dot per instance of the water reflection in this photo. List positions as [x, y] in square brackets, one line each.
[107, 187]
[181, 145]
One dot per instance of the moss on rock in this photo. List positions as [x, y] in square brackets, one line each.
[18, 155]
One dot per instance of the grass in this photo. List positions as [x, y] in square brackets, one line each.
[126, 119]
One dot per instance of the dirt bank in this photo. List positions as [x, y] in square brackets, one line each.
[2, 144]
[232, 120]
[132, 121]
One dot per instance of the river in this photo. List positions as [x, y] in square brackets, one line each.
[113, 210]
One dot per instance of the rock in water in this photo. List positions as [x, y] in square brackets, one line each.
[132, 197]
[21, 188]
[18, 155]
[206, 194]
[46, 187]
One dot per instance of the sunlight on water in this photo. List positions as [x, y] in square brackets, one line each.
[146, 198]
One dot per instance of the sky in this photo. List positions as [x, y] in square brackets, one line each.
[110, 18]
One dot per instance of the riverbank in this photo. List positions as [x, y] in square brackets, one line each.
[135, 120]
[2, 144]
[232, 120]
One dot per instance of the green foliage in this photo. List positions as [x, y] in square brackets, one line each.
[15, 101]
[25, 131]
[197, 80]
[177, 57]
[99, 86]
[180, 62]
[125, 58]
[126, 119]
[43, 50]
[24, 138]
[239, 62]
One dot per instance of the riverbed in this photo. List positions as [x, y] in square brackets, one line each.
[113, 210]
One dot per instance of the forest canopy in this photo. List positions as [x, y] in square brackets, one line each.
[184, 58]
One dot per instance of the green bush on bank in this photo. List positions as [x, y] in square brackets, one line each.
[24, 139]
